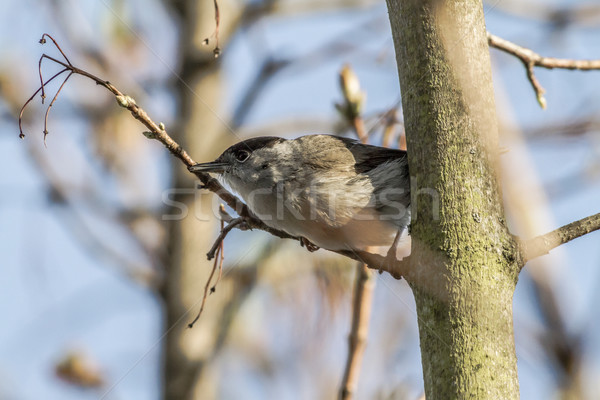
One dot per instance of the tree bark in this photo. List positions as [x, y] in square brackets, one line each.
[464, 261]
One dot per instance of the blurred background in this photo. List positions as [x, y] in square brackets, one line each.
[104, 235]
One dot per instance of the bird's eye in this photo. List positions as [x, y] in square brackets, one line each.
[242, 155]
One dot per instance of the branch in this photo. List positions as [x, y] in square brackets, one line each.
[532, 59]
[362, 304]
[540, 245]
[218, 262]
[224, 231]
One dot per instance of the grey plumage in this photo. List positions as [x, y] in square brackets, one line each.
[335, 192]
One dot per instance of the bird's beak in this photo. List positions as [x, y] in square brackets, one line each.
[213, 166]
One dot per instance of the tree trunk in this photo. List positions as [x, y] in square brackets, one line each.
[203, 133]
[464, 262]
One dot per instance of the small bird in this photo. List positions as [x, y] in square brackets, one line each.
[333, 192]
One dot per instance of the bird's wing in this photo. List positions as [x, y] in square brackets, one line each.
[369, 157]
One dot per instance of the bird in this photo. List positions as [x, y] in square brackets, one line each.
[332, 192]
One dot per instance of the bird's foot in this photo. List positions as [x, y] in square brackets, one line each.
[390, 258]
[304, 242]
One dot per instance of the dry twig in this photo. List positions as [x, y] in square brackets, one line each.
[215, 34]
[531, 59]
[218, 262]
[224, 231]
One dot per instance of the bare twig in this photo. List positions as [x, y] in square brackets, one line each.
[538, 60]
[540, 245]
[390, 120]
[85, 233]
[224, 231]
[532, 59]
[215, 34]
[221, 259]
[40, 89]
[43, 41]
[218, 261]
[217, 50]
[51, 104]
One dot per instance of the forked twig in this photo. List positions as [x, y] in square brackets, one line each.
[51, 104]
[40, 89]
[212, 273]
[221, 259]
[531, 59]
[224, 231]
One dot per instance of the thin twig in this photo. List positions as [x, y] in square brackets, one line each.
[43, 95]
[532, 59]
[212, 273]
[221, 259]
[540, 61]
[358, 124]
[43, 40]
[215, 34]
[41, 88]
[225, 217]
[540, 245]
[51, 104]
[224, 231]
[217, 50]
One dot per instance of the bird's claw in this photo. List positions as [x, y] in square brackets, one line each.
[304, 242]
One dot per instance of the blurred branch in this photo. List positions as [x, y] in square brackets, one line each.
[540, 245]
[362, 304]
[256, 10]
[364, 286]
[569, 129]
[527, 202]
[274, 64]
[158, 132]
[61, 195]
[287, 126]
[531, 59]
[86, 235]
[220, 257]
[224, 231]
[215, 34]
[559, 16]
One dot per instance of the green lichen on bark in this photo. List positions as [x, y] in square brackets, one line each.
[464, 269]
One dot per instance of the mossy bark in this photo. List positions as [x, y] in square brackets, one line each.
[464, 262]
